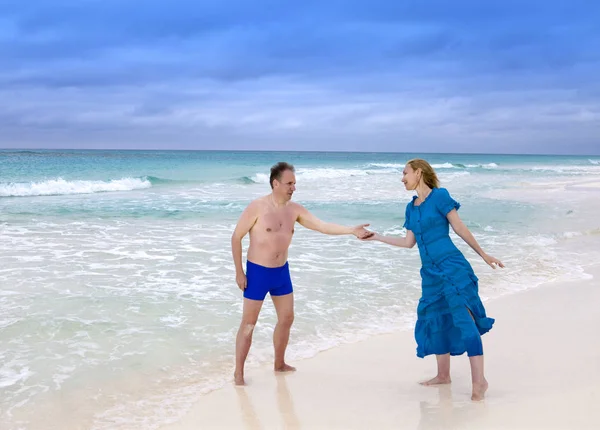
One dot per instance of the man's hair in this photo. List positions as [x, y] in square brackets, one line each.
[278, 169]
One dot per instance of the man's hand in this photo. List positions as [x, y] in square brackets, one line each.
[371, 236]
[360, 232]
[240, 279]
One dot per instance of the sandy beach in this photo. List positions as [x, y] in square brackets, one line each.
[542, 363]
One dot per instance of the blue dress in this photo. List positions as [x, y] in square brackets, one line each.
[451, 317]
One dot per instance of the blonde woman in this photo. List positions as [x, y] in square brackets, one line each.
[451, 317]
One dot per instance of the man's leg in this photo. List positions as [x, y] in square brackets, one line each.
[244, 337]
[284, 305]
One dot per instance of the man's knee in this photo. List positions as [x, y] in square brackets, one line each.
[247, 328]
[286, 319]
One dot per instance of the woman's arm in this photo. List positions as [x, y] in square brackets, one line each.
[465, 234]
[407, 241]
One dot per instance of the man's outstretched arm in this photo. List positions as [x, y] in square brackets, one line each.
[308, 220]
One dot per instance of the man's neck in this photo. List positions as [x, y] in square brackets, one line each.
[278, 202]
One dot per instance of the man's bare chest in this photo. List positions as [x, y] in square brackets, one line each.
[276, 222]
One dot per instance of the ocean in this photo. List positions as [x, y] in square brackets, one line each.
[118, 302]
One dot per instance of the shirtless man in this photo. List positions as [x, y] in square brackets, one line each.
[270, 221]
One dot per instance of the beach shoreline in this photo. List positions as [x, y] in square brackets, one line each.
[119, 305]
[539, 362]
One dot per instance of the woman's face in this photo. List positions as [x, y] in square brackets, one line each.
[410, 177]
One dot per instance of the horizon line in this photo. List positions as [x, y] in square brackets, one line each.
[294, 151]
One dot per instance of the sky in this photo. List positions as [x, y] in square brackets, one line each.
[403, 76]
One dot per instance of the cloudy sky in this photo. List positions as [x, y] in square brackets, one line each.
[514, 76]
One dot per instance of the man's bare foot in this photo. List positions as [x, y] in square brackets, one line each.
[479, 389]
[438, 380]
[239, 378]
[285, 368]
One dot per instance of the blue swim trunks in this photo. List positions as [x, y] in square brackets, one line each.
[263, 280]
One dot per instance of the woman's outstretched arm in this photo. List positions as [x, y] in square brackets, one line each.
[407, 241]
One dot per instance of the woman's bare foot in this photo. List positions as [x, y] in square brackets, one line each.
[479, 389]
[238, 378]
[438, 380]
[284, 368]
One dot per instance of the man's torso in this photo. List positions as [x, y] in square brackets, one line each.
[271, 235]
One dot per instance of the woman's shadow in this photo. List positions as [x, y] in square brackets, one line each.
[447, 413]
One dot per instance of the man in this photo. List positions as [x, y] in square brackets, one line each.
[270, 221]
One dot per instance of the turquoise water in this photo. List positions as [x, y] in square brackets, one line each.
[117, 282]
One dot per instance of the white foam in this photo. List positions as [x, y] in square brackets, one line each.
[394, 231]
[173, 321]
[140, 255]
[307, 175]
[10, 321]
[328, 173]
[572, 234]
[579, 170]
[388, 165]
[9, 376]
[453, 175]
[59, 186]
[484, 166]
[29, 258]
[64, 373]
[260, 178]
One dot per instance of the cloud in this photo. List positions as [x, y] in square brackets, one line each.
[465, 73]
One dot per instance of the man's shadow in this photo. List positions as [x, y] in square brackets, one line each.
[249, 416]
[285, 405]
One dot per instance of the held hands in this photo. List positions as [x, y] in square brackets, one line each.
[240, 279]
[372, 236]
[361, 233]
[493, 262]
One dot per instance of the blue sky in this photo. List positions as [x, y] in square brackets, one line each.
[414, 76]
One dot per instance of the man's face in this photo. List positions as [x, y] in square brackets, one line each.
[286, 186]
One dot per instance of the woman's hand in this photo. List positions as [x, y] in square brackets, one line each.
[371, 236]
[492, 261]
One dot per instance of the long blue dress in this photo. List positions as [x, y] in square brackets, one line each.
[451, 317]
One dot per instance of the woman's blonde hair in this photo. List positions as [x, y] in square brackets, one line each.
[428, 174]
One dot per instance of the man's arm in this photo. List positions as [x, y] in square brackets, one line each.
[308, 220]
[245, 223]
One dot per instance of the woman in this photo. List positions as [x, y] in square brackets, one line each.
[451, 317]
